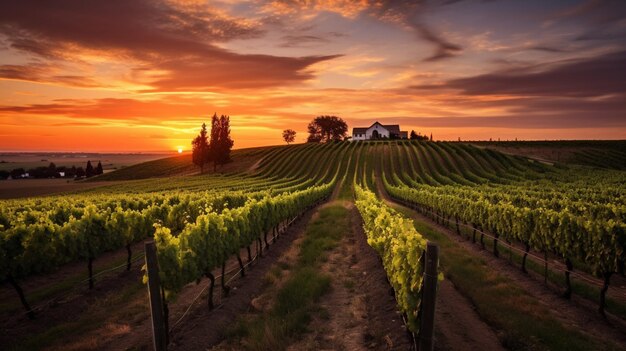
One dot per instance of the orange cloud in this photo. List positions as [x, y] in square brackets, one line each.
[143, 75]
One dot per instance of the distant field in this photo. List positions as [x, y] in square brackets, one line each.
[10, 189]
[10, 161]
[609, 154]
[243, 160]
[130, 167]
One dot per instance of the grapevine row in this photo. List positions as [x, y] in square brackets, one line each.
[400, 247]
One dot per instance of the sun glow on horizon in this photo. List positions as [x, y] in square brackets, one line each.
[455, 69]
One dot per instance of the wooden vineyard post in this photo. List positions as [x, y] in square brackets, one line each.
[429, 297]
[156, 304]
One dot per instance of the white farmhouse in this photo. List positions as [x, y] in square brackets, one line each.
[379, 131]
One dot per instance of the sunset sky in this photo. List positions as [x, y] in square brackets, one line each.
[142, 75]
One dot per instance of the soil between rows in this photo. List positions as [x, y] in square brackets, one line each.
[362, 312]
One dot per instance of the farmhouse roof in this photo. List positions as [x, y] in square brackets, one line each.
[393, 128]
[359, 130]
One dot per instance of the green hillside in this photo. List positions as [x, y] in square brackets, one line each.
[609, 154]
[243, 160]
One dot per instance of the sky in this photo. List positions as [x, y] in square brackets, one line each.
[142, 75]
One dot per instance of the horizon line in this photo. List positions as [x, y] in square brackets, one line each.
[160, 152]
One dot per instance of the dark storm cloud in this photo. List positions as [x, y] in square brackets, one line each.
[141, 25]
[23, 72]
[601, 20]
[444, 49]
[549, 49]
[535, 121]
[239, 72]
[596, 76]
[596, 11]
[155, 33]
[407, 13]
[292, 41]
[583, 93]
[411, 14]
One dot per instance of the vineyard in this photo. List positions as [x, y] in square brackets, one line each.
[571, 217]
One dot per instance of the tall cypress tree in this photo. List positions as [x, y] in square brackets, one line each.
[225, 142]
[51, 171]
[99, 169]
[200, 147]
[89, 171]
[214, 144]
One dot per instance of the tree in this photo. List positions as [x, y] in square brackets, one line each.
[200, 149]
[80, 172]
[413, 135]
[71, 172]
[214, 142]
[17, 173]
[327, 128]
[225, 143]
[431, 136]
[289, 135]
[89, 171]
[51, 172]
[99, 169]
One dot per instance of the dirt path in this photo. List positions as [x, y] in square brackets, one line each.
[578, 312]
[201, 328]
[457, 325]
[358, 313]
[360, 309]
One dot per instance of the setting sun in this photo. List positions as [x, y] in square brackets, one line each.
[180, 149]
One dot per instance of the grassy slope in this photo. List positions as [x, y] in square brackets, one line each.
[595, 153]
[161, 168]
[603, 154]
[296, 298]
[243, 159]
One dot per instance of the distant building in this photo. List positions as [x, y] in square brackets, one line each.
[379, 131]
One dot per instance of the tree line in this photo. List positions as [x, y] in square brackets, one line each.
[52, 171]
[419, 136]
[215, 146]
